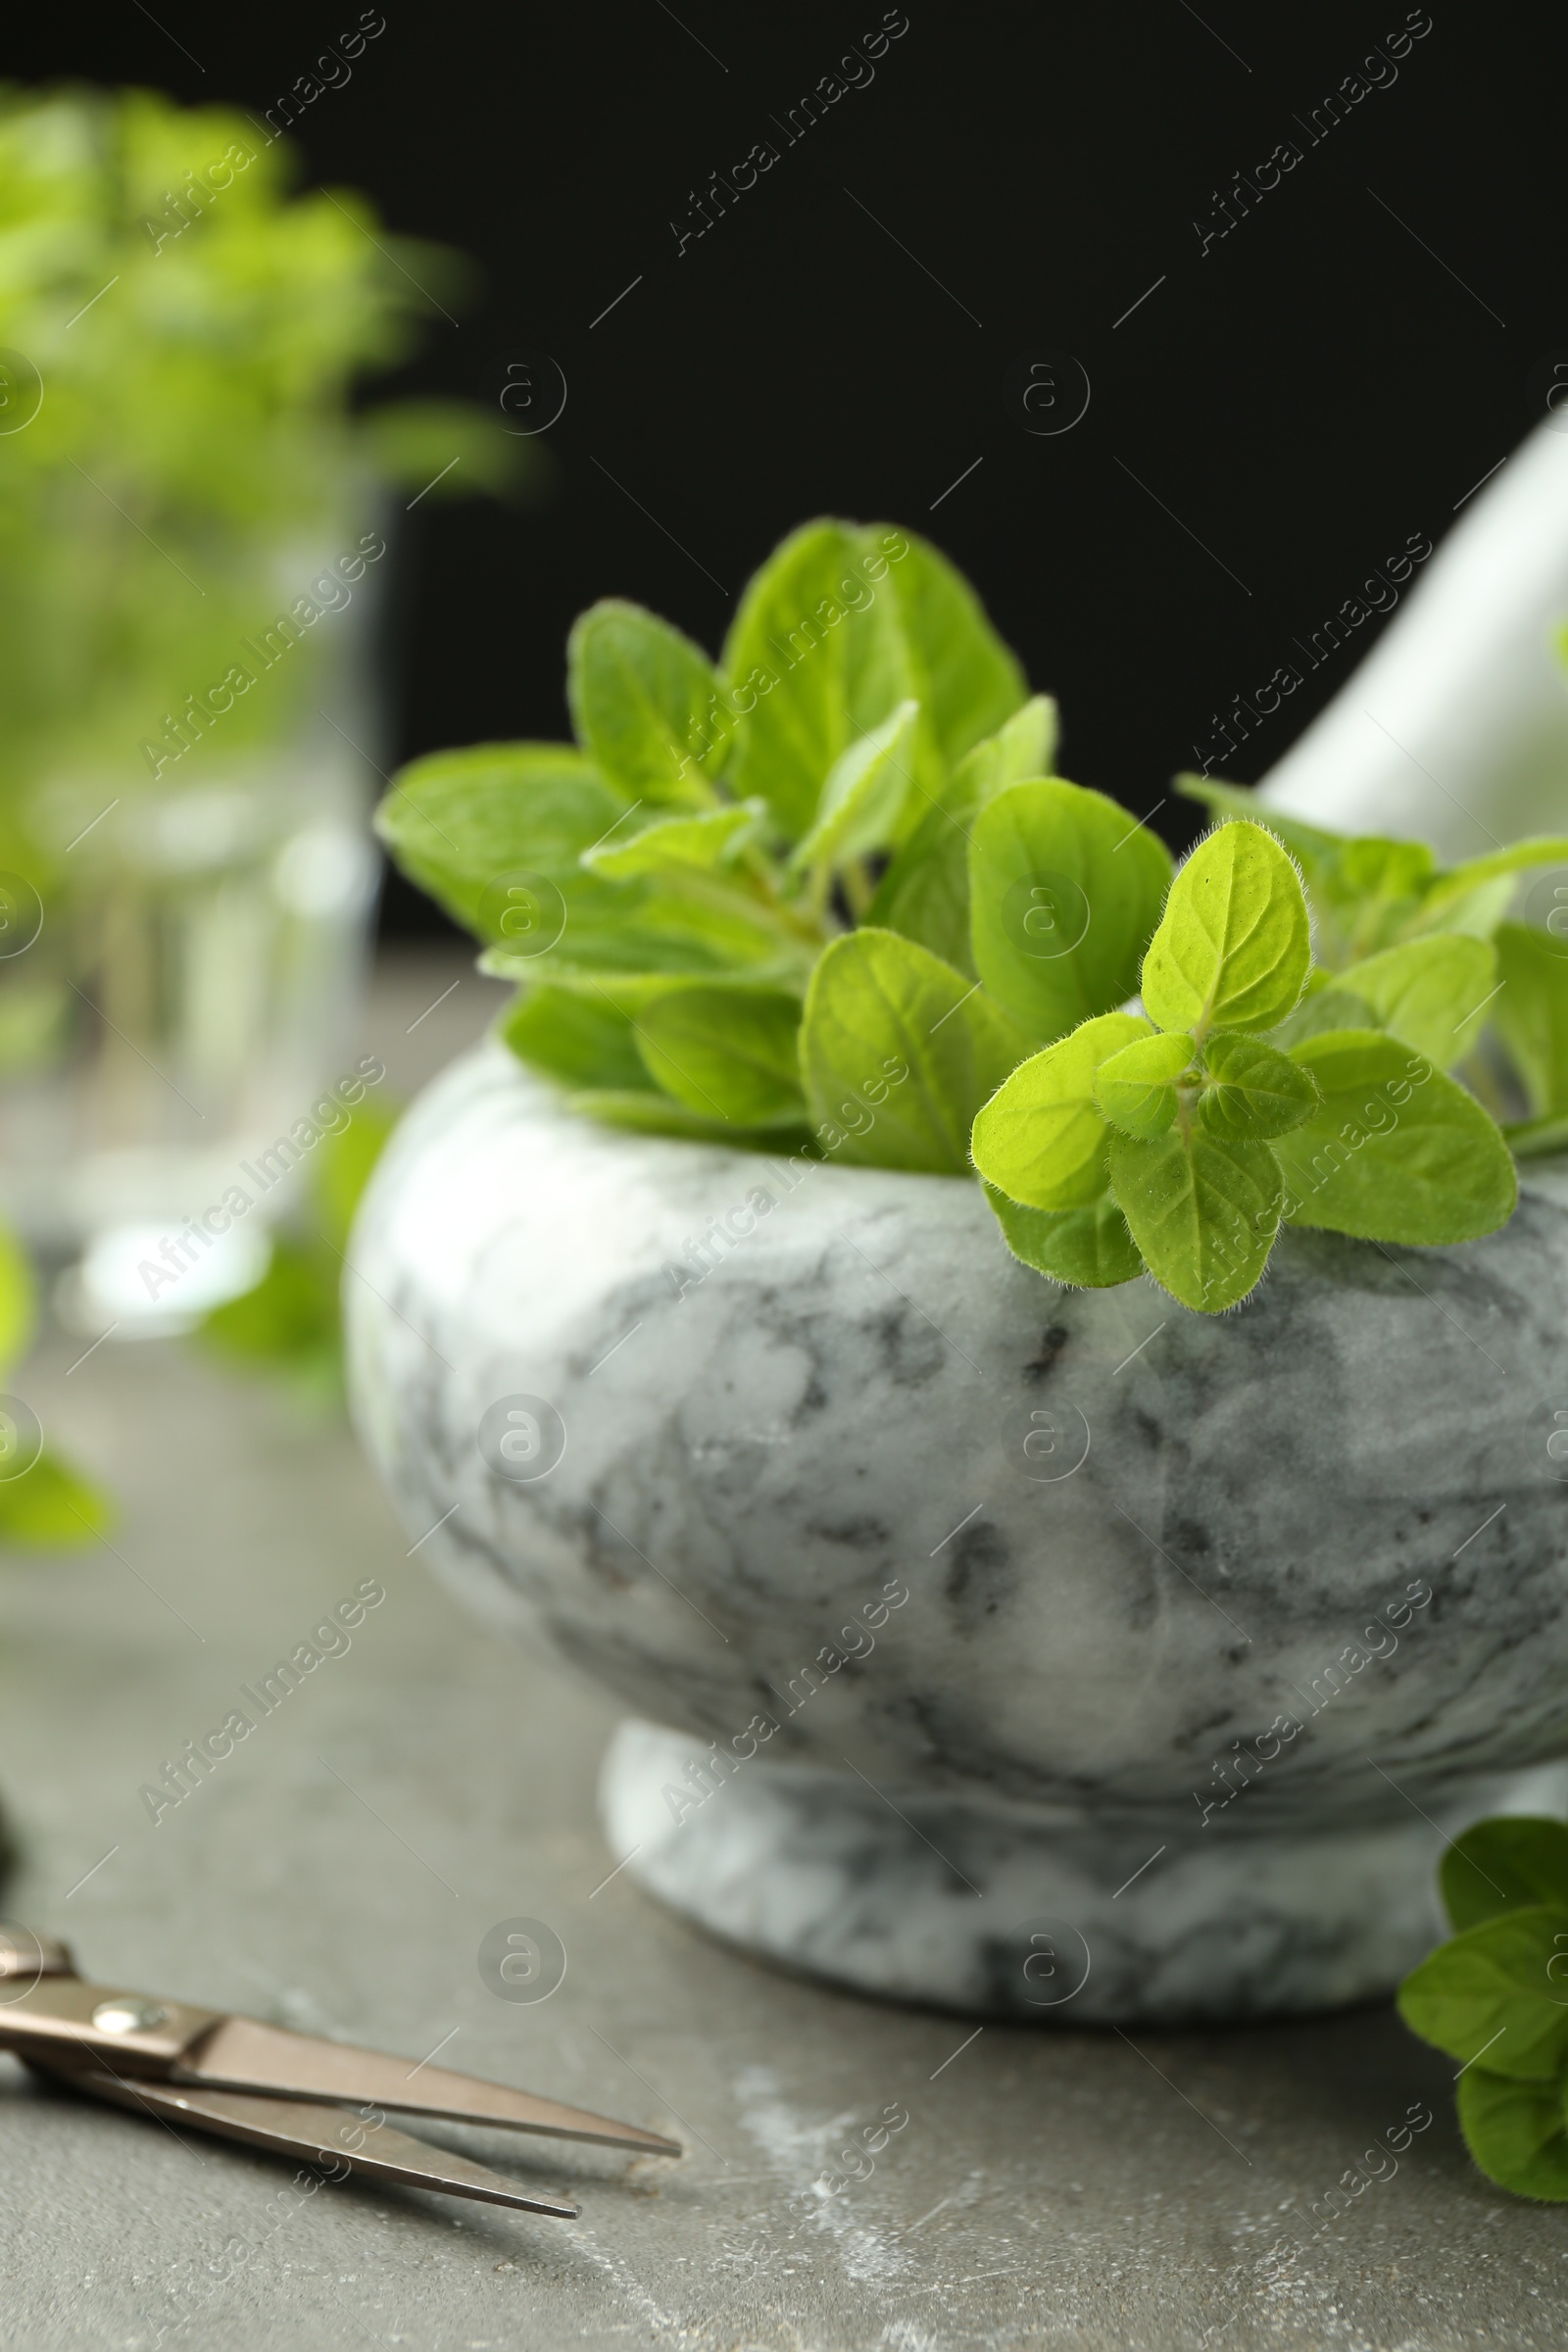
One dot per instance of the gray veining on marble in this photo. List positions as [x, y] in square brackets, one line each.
[1266, 1588]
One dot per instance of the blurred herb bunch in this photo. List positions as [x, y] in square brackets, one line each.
[181, 341]
[830, 895]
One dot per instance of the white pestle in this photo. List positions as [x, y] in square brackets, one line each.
[1454, 729]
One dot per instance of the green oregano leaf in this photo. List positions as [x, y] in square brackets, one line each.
[1364, 889]
[576, 1038]
[1042, 1138]
[1396, 1152]
[1432, 993]
[1515, 2131]
[1234, 946]
[898, 1051]
[727, 1052]
[1202, 1209]
[702, 844]
[1065, 889]
[1089, 1248]
[1530, 1012]
[1252, 1091]
[925, 892]
[1511, 1863]
[1136, 1088]
[644, 702]
[457, 821]
[1518, 858]
[817, 658]
[865, 793]
[1500, 1987]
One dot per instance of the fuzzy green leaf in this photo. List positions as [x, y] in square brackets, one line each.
[1042, 1138]
[925, 892]
[818, 653]
[1136, 1088]
[1510, 1863]
[864, 794]
[1500, 1988]
[1089, 1248]
[644, 702]
[1398, 1152]
[1234, 946]
[1202, 1209]
[1365, 889]
[898, 1051]
[1532, 1012]
[726, 1053]
[1065, 889]
[1431, 993]
[1252, 1091]
[1515, 2131]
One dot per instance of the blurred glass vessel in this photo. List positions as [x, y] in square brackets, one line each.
[191, 525]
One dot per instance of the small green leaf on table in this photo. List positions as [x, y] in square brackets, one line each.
[1512, 1862]
[1498, 1993]
[1515, 2131]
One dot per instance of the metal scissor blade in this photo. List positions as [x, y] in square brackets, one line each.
[315, 2134]
[242, 2054]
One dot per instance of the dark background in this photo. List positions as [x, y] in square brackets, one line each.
[1320, 385]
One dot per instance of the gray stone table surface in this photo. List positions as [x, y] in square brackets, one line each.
[339, 1870]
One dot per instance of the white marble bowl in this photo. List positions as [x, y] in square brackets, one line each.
[1028, 1651]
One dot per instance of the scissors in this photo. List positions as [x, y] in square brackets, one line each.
[296, 2094]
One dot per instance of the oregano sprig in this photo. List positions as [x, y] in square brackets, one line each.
[841, 847]
[1496, 1998]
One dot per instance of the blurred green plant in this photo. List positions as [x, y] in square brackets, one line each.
[290, 1323]
[48, 1506]
[180, 339]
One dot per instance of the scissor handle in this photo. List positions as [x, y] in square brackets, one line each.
[24, 1954]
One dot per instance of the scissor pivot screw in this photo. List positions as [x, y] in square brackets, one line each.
[127, 2015]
